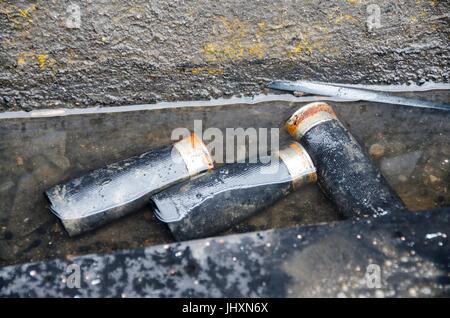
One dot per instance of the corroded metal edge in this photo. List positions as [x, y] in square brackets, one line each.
[307, 117]
[299, 164]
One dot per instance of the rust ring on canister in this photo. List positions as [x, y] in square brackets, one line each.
[307, 117]
[195, 154]
[299, 164]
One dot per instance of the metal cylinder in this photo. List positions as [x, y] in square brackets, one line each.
[216, 201]
[346, 174]
[106, 194]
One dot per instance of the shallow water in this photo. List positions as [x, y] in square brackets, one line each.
[412, 147]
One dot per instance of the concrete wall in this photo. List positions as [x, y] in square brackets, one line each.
[143, 51]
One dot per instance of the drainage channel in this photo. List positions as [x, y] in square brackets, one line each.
[44, 148]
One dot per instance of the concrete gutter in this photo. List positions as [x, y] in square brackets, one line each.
[60, 54]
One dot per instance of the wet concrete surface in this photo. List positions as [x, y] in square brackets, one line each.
[410, 145]
[140, 51]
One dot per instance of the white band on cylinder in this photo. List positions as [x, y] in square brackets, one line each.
[299, 164]
[194, 154]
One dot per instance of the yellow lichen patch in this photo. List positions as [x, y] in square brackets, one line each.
[26, 13]
[233, 51]
[197, 70]
[258, 50]
[336, 16]
[208, 70]
[299, 48]
[24, 57]
[353, 1]
[303, 47]
[42, 61]
[8, 42]
[435, 27]
[215, 71]
[21, 61]
[17, 15]
[135, 10]
[23, 13]
[210, 49]
[262, 26]
[235, 40]
[343, 18]
[235, 27]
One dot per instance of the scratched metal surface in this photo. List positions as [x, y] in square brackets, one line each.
[411, 147]
[140, 51]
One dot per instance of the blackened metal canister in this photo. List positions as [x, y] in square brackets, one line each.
[106, 194]
[216, 201]
[346, 174]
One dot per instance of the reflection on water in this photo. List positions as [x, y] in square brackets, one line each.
[410, 145]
